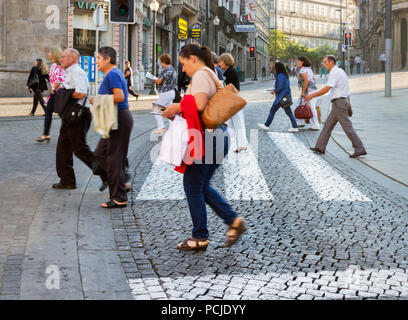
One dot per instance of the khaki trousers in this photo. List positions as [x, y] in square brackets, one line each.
[339, 113]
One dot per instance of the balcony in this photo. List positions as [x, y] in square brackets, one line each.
[191, 7]
[226, 15]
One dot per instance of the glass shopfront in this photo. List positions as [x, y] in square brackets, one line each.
[85, 30]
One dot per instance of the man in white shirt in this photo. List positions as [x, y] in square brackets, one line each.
[338, 85]
[72, 138]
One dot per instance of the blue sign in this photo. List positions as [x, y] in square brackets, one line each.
[87, 64]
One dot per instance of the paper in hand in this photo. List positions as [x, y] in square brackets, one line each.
[150, 76]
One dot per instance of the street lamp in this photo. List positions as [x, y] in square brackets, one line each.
[216, 23]
[154, 6]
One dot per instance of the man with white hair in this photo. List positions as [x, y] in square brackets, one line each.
[72, 139]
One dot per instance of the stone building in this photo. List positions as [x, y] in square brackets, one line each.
[371, 35]
[28, 29]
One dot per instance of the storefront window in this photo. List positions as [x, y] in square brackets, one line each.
[145, 50]
[85, 30]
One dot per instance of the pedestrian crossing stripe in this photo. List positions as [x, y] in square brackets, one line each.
[325, 180]
[244, 180]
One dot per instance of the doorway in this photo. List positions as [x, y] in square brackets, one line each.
[403, 43]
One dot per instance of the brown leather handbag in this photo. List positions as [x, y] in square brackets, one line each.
[225, 103]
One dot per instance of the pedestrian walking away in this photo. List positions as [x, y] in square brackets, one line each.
[36, 84]
[111, 153]
[323, 71]
[183, 80]
[72, 138]
[198, 63]
[307, 85]
[56, 77]
[338, 85]
[282, 89]
[128, 73]
[358, 61]
[383, 59]
[237, 122]
[166, 85]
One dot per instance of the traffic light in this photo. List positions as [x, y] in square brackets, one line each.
[252, 52]
[122, 11]
[347, 39]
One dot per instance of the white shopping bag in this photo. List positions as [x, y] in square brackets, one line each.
[174, 143]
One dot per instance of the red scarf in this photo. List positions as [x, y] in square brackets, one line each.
[195, 148]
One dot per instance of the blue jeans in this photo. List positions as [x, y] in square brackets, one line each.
[198, 192]
[288, 112]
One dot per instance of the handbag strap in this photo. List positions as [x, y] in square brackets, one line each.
[217, 82]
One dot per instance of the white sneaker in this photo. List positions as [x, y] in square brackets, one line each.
[263, 127]
[293, 130]
[159, 131]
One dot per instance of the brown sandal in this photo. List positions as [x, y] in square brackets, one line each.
[236, 229]
[198, 247]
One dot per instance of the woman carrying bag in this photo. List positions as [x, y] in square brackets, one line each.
[283, 92]
[56, 77]
[307, 85]
[37, 85]
[198, 64]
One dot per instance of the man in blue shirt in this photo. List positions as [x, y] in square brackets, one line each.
[111, 153]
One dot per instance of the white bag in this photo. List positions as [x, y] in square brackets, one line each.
[174, 143]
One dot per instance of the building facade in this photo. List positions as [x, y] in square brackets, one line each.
[314, 23]
[29, 28]
[371, 36]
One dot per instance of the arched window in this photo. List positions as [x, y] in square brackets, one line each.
[403, 43]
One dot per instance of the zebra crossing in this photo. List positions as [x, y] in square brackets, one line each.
[244, 180]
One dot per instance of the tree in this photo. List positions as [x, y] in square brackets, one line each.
[293, 50]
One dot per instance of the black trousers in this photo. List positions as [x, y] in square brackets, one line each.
[72, 140]
[37, 98]
[111, 153]
[48, 114]
[132, 92]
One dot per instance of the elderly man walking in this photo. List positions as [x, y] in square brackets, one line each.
[338, 85]
[72, 138]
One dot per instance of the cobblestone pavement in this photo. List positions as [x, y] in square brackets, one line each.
[307, 241]
[298, 246]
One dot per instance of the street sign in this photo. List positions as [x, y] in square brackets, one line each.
[99, 17]
[248, 27]
[343, 48]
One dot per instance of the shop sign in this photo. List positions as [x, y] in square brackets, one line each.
[91, 6]
[183, 31]
[195, 33]
[250, 11]
[248, 27]
[147, 22]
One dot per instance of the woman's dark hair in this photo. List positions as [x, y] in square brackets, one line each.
[306, 61]
[280, 68]
[108, 52]
[202, 53]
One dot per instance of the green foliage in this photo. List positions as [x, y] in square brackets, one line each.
[286, 49]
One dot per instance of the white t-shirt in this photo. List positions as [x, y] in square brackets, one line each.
[339, 83]
[77, 79]
[202, 82]
[357, 60]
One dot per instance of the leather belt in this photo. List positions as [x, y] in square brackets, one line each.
[338, 99]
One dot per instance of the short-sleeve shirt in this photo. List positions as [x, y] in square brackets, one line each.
[169, 76]
[310, 77]
[339, 83]
[77, 79]
[202, 82]
[115, 79]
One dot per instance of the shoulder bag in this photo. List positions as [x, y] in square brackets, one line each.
[286, 101]
[225, 103]
[34, 81]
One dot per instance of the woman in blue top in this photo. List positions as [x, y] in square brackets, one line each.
[282, 88]
[111, 153]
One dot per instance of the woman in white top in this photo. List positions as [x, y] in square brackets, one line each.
[307, 86]
[198, 63]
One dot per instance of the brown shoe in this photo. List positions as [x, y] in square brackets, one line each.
[317, 150]
[235, 230]
[357, 154]
[198, 245]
